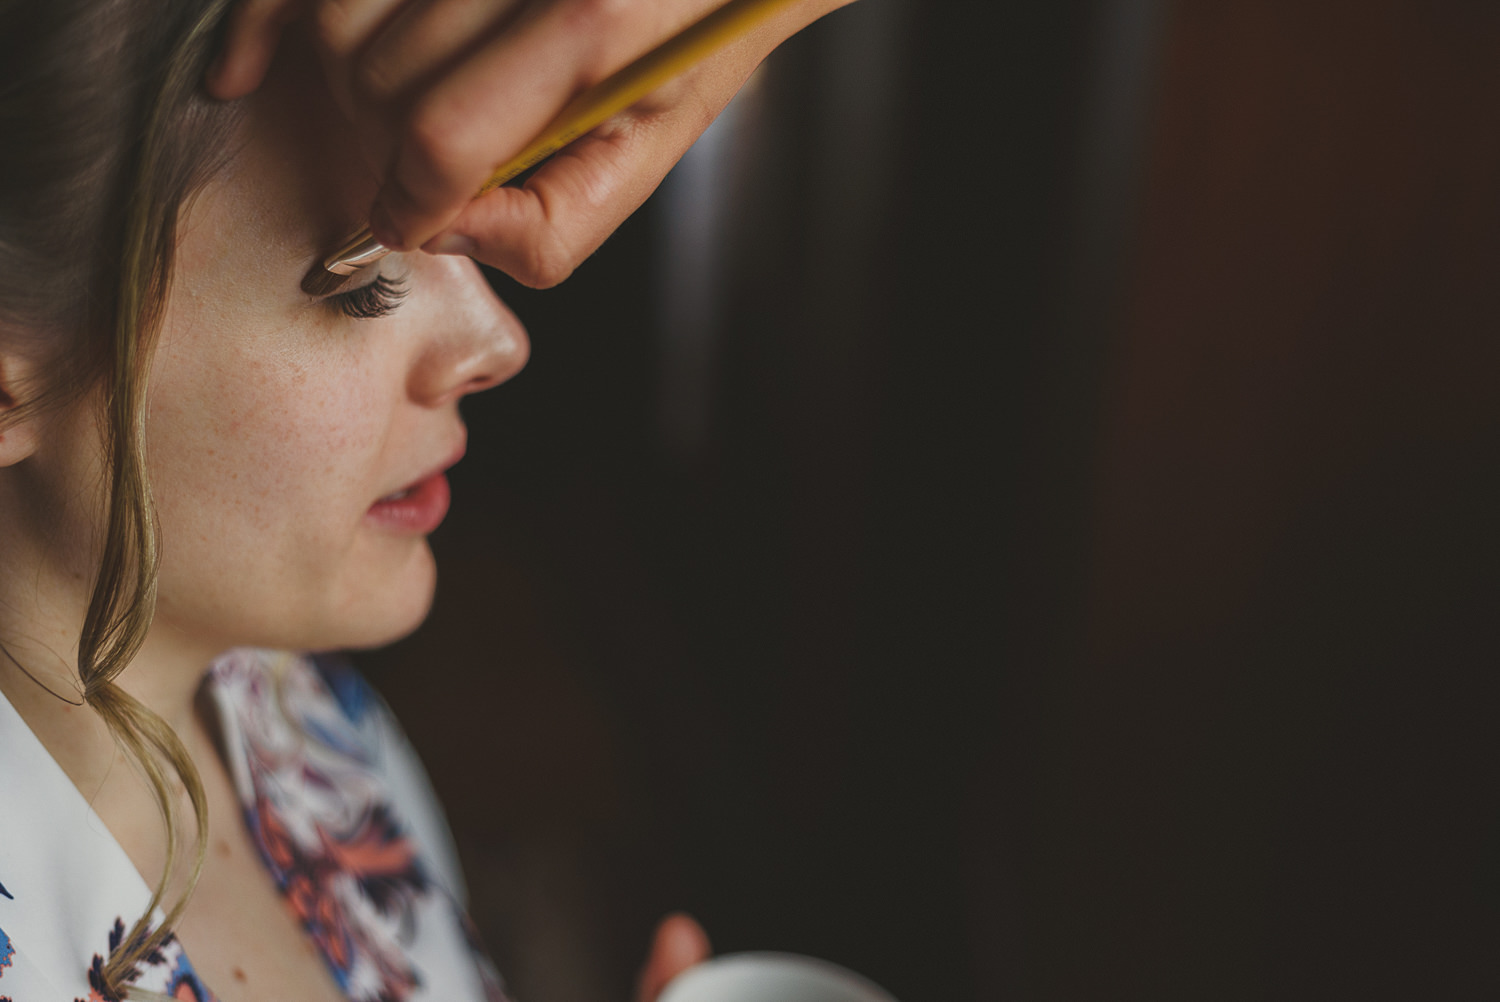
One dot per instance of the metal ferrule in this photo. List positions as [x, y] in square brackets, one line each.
[360, 252]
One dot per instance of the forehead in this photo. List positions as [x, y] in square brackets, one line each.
[295, 184]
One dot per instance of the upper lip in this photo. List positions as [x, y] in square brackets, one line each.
[454, 455]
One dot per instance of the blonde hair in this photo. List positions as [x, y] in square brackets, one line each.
[107, 136]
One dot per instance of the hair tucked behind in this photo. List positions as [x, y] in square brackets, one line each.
[106, 136]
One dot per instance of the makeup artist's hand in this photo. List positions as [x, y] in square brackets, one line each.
[679, 943]
[442, 91]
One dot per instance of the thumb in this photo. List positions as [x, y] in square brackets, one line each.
[680, 942]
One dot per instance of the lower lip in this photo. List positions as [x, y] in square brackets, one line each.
[417, 513]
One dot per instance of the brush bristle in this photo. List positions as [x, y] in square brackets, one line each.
[319, 281]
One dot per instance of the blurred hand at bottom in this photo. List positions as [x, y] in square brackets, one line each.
[679, 943]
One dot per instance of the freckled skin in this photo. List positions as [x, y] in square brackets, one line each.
[276, 421]
[274, 424]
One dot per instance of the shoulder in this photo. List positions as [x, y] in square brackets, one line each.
[67, 889]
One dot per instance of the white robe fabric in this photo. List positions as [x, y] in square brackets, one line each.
[335, 799]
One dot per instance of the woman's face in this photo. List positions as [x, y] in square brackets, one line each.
[278, 423]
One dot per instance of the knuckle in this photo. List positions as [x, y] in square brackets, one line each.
[440, 138]
[332, 27]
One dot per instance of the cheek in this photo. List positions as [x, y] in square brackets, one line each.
[266, 455]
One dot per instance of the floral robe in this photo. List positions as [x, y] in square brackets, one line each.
[335, 800]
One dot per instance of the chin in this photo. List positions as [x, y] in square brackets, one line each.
[360, 609]
[367, 604]
[376, 619]
[386, 632]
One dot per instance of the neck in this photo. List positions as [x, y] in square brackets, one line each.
[164, 676]
[40, 678]
[48, 559]
[44, 595]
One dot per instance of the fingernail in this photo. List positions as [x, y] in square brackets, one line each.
[385, 229]
[451, 243]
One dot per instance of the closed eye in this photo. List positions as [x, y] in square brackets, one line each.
[378, 299]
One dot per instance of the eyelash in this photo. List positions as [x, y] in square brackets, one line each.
[371, 302]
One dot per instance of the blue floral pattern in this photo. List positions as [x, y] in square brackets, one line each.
[334, 799]
[308, 764]
[164, 970]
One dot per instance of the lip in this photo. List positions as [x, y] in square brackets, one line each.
[423, 503]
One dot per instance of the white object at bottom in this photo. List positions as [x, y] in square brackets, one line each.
[771, 977]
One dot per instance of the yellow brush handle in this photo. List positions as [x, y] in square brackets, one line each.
[585, 112]
[615, 93]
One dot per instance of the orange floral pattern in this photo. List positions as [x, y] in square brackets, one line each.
[349, 870]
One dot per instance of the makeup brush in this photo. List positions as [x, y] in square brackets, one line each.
[584, 113]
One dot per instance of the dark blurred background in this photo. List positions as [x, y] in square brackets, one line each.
[1015, 515]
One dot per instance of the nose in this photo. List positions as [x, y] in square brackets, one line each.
[472, 340]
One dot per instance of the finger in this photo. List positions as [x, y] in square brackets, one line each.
[680, 942]
[343, 29]
[250, 39]
[541, 232]
[498, 98]
[346, 26]
[422, 39]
